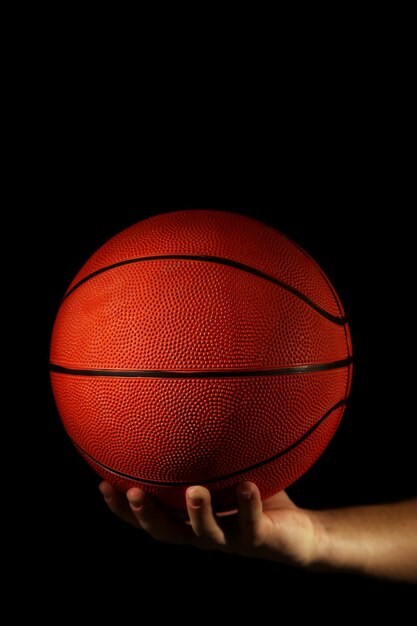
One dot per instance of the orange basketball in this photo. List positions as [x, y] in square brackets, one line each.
[200, 347]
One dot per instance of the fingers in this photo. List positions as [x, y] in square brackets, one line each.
[249, 512]
[205, 530]
[117, 503]
[157, 522]
[141, 511]
[208, 532]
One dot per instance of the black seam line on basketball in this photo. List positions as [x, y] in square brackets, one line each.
[341, 321]
[322, 273]
[245, 470]
[224, 373]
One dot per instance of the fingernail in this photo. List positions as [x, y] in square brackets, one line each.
[195, 501]
[136, 504]
[246, 495]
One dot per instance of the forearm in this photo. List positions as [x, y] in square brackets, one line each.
[376, 540]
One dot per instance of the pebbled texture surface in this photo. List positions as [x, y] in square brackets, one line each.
[191, 316]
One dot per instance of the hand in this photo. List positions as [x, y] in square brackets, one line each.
[274, 529]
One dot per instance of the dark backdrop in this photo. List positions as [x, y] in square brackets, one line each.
[354, 222]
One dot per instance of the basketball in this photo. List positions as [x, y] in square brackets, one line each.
[200, 347]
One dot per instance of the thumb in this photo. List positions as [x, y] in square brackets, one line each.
[279, 500]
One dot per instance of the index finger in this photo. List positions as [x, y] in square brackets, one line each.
[156, 521]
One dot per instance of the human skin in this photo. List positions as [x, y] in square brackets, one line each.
[374, 540]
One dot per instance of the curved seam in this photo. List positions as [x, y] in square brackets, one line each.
[217, 478]
[220, 261]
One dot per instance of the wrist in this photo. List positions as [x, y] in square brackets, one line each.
[322, 557]
[337, 547]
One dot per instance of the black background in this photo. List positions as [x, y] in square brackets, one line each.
[309, 131]
[320, 151]
[353, 218]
